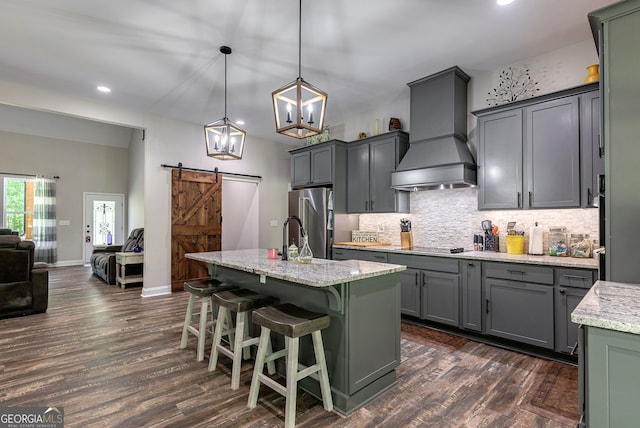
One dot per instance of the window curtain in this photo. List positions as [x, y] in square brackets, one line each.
[44, 221]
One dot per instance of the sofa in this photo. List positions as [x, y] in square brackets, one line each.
[103, 258]
[24, 289]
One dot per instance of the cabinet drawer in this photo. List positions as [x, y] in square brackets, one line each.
[581, 278]
[516, 272]
[349, 254]
[438, 264]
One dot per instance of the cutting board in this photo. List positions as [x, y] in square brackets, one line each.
[362, 244]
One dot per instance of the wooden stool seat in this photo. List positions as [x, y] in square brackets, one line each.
[293, 322]
[202, 290]
[290, 320]
[241, 302]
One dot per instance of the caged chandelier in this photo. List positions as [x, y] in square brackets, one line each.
[299, 107]
[224, 139]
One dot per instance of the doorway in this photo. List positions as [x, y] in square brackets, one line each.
[103, 215]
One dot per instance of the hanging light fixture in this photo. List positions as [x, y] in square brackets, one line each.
[224, 139]
[299, 107]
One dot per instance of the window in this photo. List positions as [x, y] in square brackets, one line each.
[18, 205]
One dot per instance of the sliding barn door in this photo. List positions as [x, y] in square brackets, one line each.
[196, 217]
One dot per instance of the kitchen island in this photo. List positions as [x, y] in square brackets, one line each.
[362, 343]
[609, 354]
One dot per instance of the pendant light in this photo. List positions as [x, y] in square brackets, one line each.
[299, 107]
[224, 139]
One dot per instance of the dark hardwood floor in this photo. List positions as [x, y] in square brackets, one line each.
[112, 359]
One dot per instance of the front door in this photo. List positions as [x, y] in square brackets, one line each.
[103, 221]
[196, 222]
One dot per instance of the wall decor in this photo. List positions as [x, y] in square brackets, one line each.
[514, 84]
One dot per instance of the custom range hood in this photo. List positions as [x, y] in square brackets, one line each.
[438, 155]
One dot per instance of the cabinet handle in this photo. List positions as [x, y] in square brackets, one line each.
[370, 205]
[470, 264]
[417, 278]
[530, 198]
[487, 301]
[378, 257]
[589, 196]
[574, 351]
[366, 205]
[600, 146]
[562, 290]
[516, 271]
[519, 204]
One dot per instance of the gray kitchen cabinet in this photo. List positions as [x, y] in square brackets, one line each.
[519, 303]
[370, 162]
[571, 285]
[323, 164]
[617, 31]
[612, 378]
[439, 287]
[349, 254]
[591, 147]
[500, 160]
[410, 292]
[471, 294]
[553, 154]
[529, 152]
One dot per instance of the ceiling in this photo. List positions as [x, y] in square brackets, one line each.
[162, 56]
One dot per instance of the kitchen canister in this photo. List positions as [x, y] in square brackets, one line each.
[515, 244]
[535, 240]
[558, 243]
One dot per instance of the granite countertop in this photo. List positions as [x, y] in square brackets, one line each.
[572, 262]
[610, 305]
[319, 273]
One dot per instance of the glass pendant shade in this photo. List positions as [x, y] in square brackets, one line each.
[299, 109]
[224, 139]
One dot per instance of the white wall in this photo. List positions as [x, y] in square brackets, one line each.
[135, 196]
[169, 142]
[82, 168]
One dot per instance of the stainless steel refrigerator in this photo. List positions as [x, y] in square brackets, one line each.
[314, 207]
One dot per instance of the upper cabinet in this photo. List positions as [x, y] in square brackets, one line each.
[323, 164]
[529, 152]
[370, 162]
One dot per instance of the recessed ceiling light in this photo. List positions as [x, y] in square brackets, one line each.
[240, 122]
[104, 89]
[504, 2]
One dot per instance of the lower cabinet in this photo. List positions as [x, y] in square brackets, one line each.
[410, 292]
[612, 378]
[348, 254]
[430, 288]
[471, 298]
[571, 285]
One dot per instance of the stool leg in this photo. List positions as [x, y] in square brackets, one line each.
[230, 329]
[271, 365]
[318, 348]
[241, 318]
[202, 332]
[187, 322]
[246, 352]
[265, 338]
[292, 382]
[223, 313]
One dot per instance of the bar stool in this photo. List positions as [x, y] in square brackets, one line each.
[241, 302]
[292, 322]
[202, 290]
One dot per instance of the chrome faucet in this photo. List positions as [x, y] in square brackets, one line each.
[284, 234]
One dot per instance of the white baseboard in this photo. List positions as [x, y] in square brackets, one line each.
[155, 291]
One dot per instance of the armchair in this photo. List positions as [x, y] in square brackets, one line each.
[103, 258]
[24, 289]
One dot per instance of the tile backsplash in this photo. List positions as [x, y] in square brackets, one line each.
[449, 218]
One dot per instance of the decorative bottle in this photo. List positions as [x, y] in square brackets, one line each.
[305, 253]
[292, 252]
[109, 238]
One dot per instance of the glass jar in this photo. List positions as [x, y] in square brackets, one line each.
[292, 253]
[580, 245]
[558, 245]
[305, 254]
